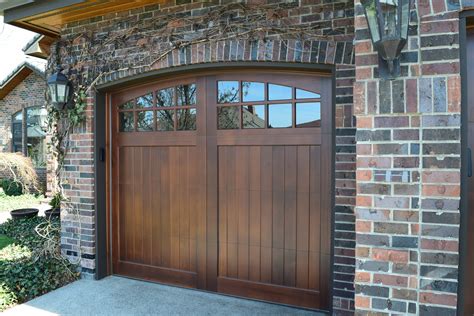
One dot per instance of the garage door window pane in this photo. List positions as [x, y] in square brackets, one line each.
[187, 120]
[165, 97]
[145, 121]
[228, 91]
[278, 92]
[253, 116]
[164, 120]
[145, 101]
[304, 94]
[186, 94]
[253, 91]
[228, 117]
[126, 123]
[279, 115]
[127, 105]
[308, 114]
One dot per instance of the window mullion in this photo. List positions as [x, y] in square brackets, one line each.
[24, 133]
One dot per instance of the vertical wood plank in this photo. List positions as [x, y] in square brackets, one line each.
[126, 201]
[242, 183]
[183, 188]
[278, 236]
[156, 196]
[254, 213]
[165, 203]
[193, 205]
[302, 217]
[223, 201]
[266, 173]
[137, 205]
[147, 219]
[290, 216]
[314, 218]
[232, 215]
[175, 206]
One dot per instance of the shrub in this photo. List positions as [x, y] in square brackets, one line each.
[56, 201]
[12, 187]
[32, 265]
[20, 169]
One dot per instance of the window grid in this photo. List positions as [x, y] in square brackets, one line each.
[176, 110]
[267, 103]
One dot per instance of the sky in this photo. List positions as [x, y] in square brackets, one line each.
[12, 40]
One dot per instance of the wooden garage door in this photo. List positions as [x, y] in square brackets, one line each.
[223, 182]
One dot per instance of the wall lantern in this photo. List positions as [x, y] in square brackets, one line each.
[60, 89]
[388, 22]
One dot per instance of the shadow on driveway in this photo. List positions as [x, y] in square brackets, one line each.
[121, 296]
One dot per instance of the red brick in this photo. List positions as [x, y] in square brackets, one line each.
[362, 302]
[363, 226]
[440, 176]
[442, 245]
[440, 69]
[390, 280]
[454, 94]
[398, 256]
[374, 162]
[362, 277]
[441, 190]
[438, 299]
[438, 6]
[412, 95]
[364, 175]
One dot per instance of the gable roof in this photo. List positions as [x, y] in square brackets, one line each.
[19, 74]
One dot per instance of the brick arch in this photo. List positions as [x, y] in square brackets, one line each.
[292, 51]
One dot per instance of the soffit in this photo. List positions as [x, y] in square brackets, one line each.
[47, 17]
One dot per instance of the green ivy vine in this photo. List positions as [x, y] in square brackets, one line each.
[61, 123]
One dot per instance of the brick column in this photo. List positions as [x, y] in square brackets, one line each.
[408, 168]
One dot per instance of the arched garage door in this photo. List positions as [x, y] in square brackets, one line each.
[222, 181]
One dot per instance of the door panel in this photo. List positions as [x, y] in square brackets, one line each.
[234, 204]
[273, 210]
[156, 188]
[158, 193]
[269, 218]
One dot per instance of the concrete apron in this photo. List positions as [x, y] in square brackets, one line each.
[121, 296]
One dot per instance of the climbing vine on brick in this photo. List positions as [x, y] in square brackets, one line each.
[62, 123]
[91, 56]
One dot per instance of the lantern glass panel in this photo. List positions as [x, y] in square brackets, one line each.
[54, 95]
[62, 89]
[371, 13]
[405, 18]
[389, 12]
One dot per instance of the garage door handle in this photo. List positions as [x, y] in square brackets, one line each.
[469, 162]
[102, 154]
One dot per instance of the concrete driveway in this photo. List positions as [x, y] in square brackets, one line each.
[121, 296]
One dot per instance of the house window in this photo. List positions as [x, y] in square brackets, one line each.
[29, 136]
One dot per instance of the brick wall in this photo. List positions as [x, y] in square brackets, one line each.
[331, 21]
[30, 92]
[408, 168]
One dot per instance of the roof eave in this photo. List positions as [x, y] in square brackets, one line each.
[17, 15]
[16, 77]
